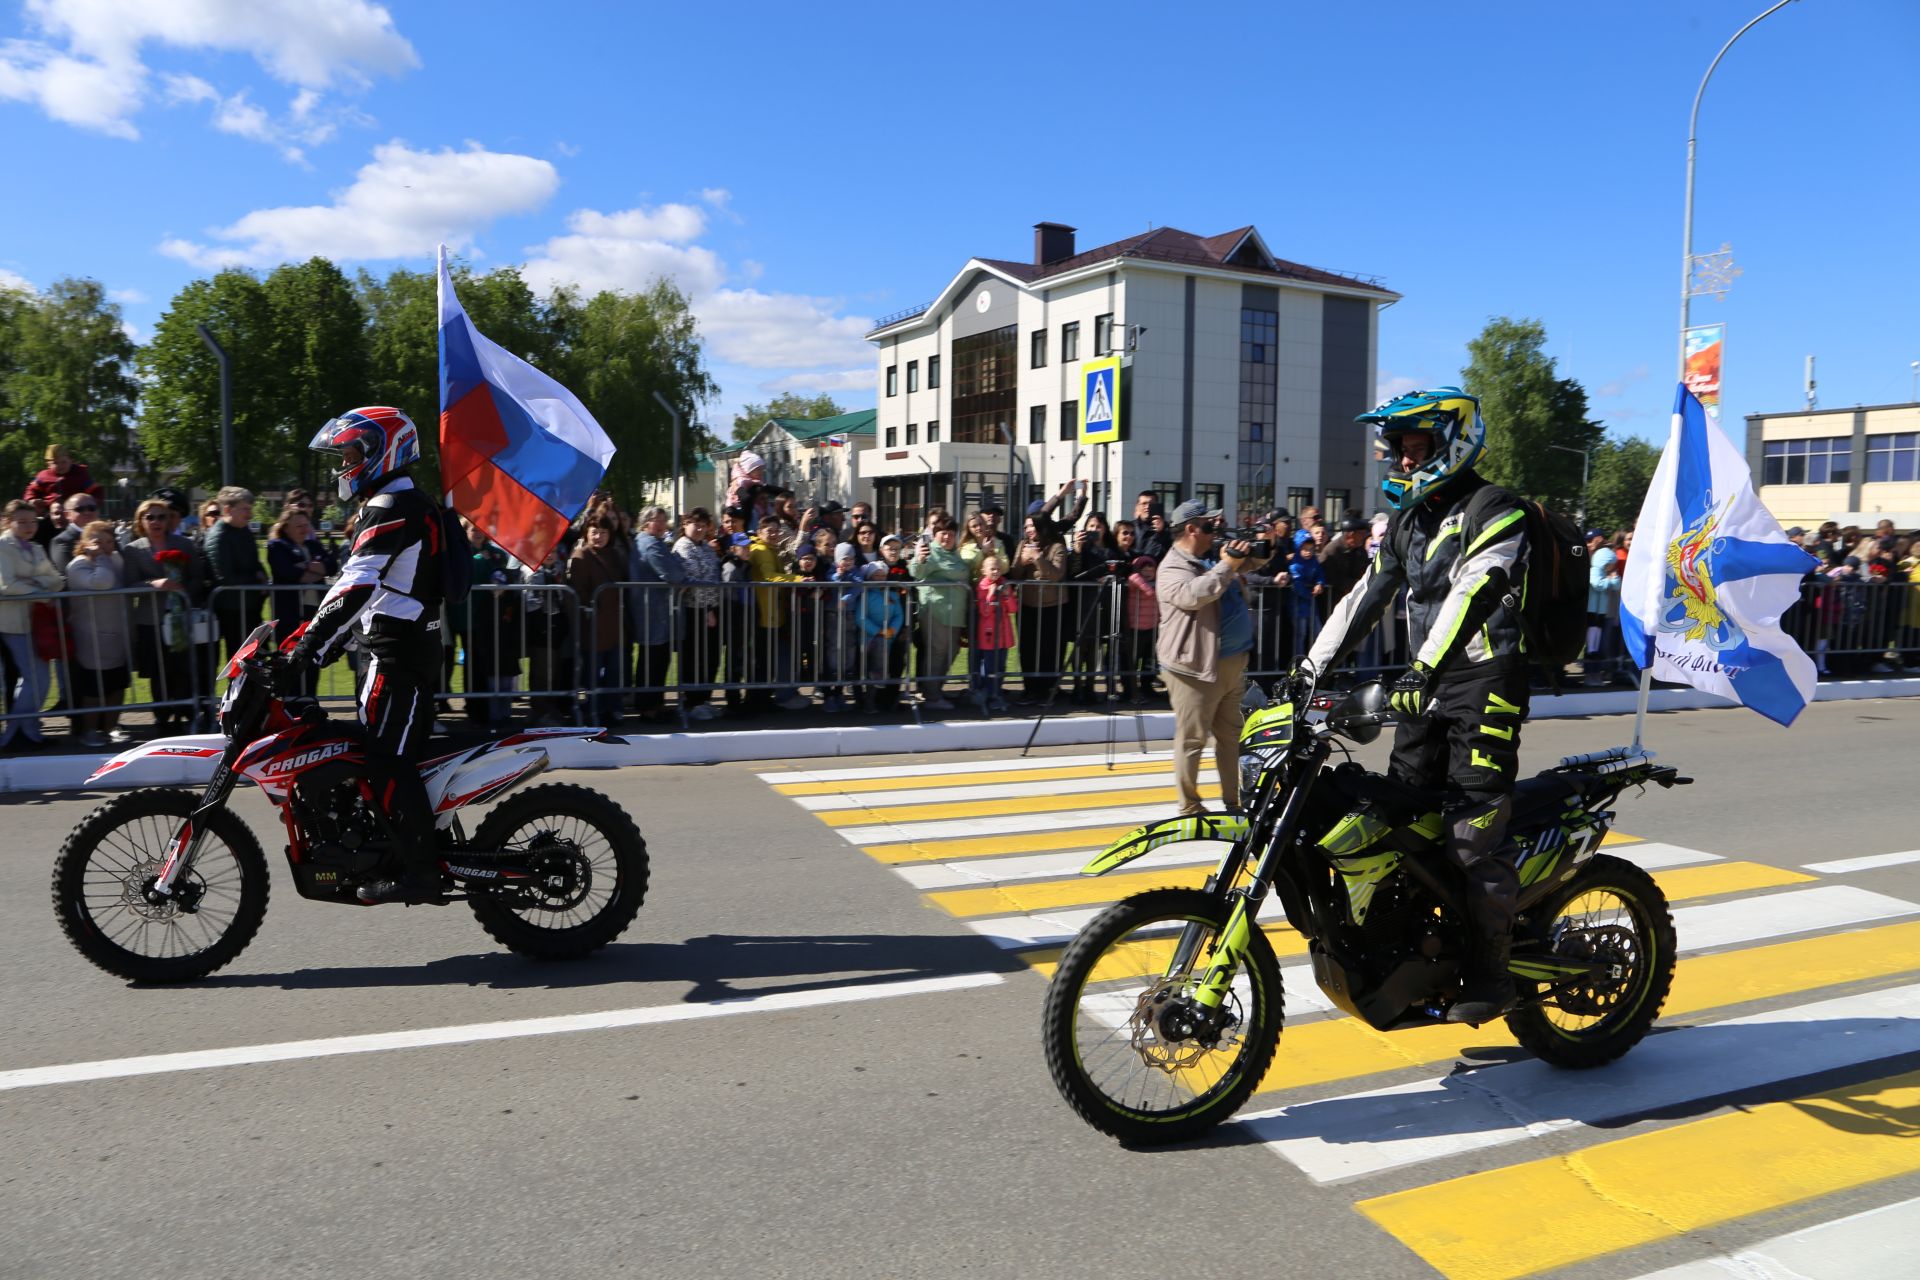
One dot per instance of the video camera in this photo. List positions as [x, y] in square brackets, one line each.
[1260, 539]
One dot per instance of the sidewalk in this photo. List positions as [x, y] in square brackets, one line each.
[814, 735]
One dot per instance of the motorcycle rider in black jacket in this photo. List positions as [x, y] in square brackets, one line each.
[389, 591]
[1463, 698]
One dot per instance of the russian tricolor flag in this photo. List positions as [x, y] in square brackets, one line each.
[519, 454]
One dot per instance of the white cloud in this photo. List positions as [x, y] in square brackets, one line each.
[630, 249]
[781, 330]
[844, 380]
[128, 297]
[400, 205]
[1393, 385]
[89, 70]
[18, 283]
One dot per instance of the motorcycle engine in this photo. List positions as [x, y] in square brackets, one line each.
[343, 832]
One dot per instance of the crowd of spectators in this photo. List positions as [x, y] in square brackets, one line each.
[759, 607]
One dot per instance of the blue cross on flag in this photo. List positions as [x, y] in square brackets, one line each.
[1710, 574]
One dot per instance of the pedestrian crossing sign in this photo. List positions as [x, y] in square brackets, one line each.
[1100, 401]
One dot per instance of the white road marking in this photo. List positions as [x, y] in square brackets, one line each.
[1006, 824]
[980, 873]
[1362, 1134]
[1773, 915]
[986, 791]
[473, 1033]
[1868, 863]
[1875, 1245]
[1653, 856]
[959, 766]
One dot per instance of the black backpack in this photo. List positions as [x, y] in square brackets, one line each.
[1550, 601]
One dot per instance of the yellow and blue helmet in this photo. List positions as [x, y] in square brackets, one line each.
[1451, 417]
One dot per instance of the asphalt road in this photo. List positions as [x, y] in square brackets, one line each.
[883, 1135]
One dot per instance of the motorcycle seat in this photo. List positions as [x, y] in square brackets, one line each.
[1540, 797]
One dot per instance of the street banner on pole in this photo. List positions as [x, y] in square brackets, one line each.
[1710, 574]
[1705, 343]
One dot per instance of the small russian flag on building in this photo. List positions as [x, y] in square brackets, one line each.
[835, 442]
[519, 454]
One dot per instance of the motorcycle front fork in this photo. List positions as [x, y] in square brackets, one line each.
[187, 841]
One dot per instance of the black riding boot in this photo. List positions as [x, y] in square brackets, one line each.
[1476, 839]
[420, 879]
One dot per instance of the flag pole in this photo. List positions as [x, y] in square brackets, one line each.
[1686, 287]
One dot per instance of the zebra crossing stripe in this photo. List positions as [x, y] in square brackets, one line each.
[1871, 862]
[1319, 1053]
[877, 776]
[972, 812]
[1361, 1134]
[1875, 1245]
[964, 789]
[1657, 1186]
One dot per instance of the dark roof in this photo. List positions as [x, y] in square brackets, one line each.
[858, 423]
[1170, 244]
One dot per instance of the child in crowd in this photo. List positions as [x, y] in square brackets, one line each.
[883, 622]
[996, 605]
[1143, 615]
[1309, 583]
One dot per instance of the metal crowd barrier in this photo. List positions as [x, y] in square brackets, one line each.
[535, 649]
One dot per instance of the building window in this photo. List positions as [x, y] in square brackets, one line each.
[913, 375]
[1037, 424]
[1335, 507]
[1037, 350]
[1069, 342]
[1214, 495]
[984, 386]
[1103, 335]
[893, 436]
[933, 432]
[1167, 494]
[913, 429]
[1069, 419]
[893, 379]
[933, 373]
[1829, 460]
[1257, 471]
[1256, 432]
[1298, 500]
[1888, 457]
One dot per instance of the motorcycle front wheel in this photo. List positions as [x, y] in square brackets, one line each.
[104, 869]
[590, 872]
[1611, 911]
[1129, 1049]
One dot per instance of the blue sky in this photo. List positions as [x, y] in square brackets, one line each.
[803, 170]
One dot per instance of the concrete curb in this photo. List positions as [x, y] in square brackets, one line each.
[69, 772]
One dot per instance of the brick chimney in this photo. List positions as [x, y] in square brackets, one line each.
[1052, 241]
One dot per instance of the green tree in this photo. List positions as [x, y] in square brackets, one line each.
[1533, 416]
[15, 444]
[623, 348]
[320, 350]
[788, 404]
[1622, 470]
[180, 418]
[69, 380]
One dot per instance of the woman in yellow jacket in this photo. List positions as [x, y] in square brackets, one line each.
[773, 656]
[25, 570]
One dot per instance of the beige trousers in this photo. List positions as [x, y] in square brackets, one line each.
[1203, 709]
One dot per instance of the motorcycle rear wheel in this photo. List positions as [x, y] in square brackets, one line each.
[1105, 1049]
[598, 861]
[116, 851]
[1611, 909]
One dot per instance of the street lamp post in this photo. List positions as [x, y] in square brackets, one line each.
[1586, 460]
[1686, 285]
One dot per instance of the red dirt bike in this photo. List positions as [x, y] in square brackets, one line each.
[160, 885]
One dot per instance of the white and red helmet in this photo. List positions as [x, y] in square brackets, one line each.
[386, 440]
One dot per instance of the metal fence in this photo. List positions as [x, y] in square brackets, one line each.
[684, 652]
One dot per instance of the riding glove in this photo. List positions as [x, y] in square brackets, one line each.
[1412, 692]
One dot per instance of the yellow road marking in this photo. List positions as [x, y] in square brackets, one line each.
[1094, 838]
[1725, 877]
[857, 786]
[1617, 837]
[906, 813]
[1346, 1048]
[1655, 1186]
[1021, 897]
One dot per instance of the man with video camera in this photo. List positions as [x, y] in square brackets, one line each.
[1206, 635]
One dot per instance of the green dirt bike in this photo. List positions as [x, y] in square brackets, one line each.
[1165, 1012]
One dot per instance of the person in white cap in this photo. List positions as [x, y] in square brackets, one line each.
[1206, 634]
